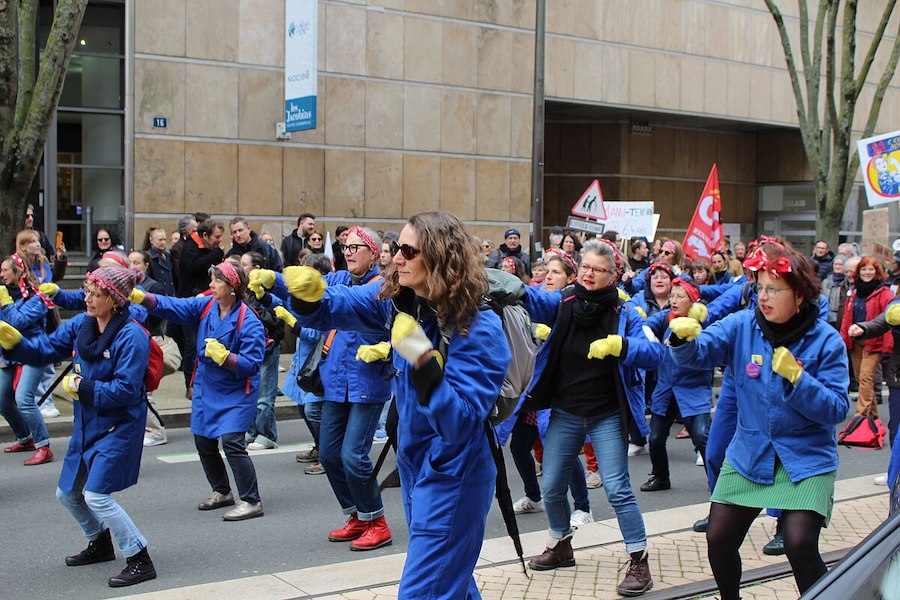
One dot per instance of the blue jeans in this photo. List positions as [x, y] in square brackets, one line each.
[264, 423]
[20, 407]
[520, 443]
[697, 426]
[565, 437]
[312, 414]
[345, 439]
[95, 512]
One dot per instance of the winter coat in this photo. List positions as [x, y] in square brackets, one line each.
[775, 419]
[346, 379]
[161, 269]
[273, 259]
[832, 290]
[27, 315]
[691, 388]
[642, 353]
[224, 400]
[291, 246]
[823, 264]
[194, 264]
[111, 409]
[876, 303]
[496, 258]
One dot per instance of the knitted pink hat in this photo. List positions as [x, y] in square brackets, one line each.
[117, 282]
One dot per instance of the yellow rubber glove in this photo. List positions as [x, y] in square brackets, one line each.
[257, 290]
[892, 316]
[409, 339]
[216, 351]
[70, 385]
[698, 312]
[136, 296]
[611, 345]
[5, 298]
[285, 315]
[541, 331]
[784, 363]
[371, 353]
[262, 277]
[304, 283]
[9, 336]
[685, 327]
[50, 289]
[623, 295]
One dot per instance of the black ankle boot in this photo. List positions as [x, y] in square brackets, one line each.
[138, 568]
[99, 550]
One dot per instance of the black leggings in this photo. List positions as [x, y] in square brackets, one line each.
[728, 525]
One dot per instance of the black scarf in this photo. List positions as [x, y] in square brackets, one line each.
[91, 343]
[785, 334]
[591, 305]
[864, 288]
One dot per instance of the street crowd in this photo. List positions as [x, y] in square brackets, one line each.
[393, 341]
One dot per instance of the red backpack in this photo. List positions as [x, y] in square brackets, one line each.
[863, 432]
[154, 372]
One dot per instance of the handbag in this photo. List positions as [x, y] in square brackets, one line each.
[309, 379]
[863, 432]
[171, 354]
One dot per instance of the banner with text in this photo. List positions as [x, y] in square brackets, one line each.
[705, 230]
[879, 159]
[630, 219]
[300, 64]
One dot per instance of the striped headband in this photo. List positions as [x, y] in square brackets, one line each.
[118, 258]
[365, 237]
[563, 256]
[616, 252]
[227, 269]
[26, 289]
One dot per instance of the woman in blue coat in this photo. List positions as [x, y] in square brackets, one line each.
[230, 347]
[107, 384]
[593, 386]
[791, 377]
[687, 392]
[26, 310]
[446, 470]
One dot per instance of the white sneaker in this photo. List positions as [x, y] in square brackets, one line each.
[527, 505]
[261, 443]
[49, 410]
[635, 450]
[580, 517]
[699, 462]
[153, 441]
[880, 480]
[593, 480]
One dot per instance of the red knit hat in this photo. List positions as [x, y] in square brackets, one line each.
[117, 282]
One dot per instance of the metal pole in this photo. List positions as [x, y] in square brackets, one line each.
[89, 230]
[128, 143]
[537, 139]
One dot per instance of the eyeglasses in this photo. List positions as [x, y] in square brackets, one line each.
[315, 239]
[90, 295]
[595, 270]
[99, 239]
[770, 290]
[408, 252]
[352, 248]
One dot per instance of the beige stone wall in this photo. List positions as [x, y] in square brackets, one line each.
[426, 104]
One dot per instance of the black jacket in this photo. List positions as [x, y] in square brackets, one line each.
[823, 264]
[160, 269]
[193, 268]
[291, 246]
[273, 260]
[497, 256]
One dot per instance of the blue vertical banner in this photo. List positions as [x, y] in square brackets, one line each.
[300, 63]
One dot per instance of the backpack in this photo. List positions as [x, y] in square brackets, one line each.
[155, 363]
[869, 436]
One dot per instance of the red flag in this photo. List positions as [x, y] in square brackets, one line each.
[705, 230]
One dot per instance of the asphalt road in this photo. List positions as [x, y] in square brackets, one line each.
[192, 547]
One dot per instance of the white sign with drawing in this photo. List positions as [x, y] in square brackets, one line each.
[630, 219]
[590, 205]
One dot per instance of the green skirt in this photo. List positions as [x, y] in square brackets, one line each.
[813, 493]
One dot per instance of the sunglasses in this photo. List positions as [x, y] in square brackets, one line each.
[665, 252]
[102, 239]
[407, 251]
[315, 239]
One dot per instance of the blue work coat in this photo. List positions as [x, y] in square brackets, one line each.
[111, 410]
[774, 417]
[691, 387]
[346, 379]
[642, 352]
[224, 401]
[26, 315]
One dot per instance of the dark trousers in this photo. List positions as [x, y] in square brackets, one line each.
[241, 466]
[697, 426]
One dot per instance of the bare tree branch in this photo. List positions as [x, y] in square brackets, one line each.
[27, 18]
[830, 60]
[789, 58]
[873, 46]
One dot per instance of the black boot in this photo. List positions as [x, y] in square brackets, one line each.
[775, 547]
[99, 550]
[138, 568]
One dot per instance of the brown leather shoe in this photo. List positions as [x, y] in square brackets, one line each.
[637, 577]
[558, 554]
[41, 455]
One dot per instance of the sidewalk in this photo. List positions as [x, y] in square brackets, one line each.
[677, 557]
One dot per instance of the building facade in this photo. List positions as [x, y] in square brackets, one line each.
[426, 104]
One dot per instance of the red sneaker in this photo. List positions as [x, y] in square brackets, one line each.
[376, 536]
[41, 456]
[20, 447]
[350, 531]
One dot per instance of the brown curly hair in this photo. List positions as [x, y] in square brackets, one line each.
[456, 277]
